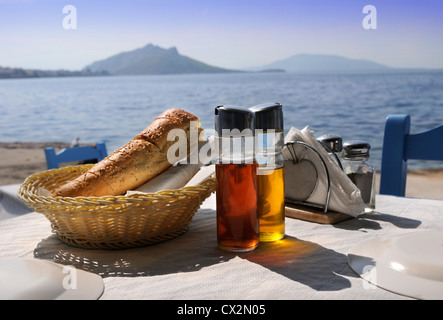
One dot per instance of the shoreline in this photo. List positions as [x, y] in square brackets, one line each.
[19, 160]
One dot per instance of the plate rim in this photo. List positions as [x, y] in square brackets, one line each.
[388, 278]
[83, 277]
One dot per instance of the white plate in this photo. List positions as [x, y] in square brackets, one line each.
[32, 279]
[410, 264]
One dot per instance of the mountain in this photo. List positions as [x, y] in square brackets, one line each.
[152, 59]
[311, 63]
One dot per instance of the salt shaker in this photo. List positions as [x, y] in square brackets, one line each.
[357, 167]
[333, 144]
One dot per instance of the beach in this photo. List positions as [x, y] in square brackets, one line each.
[18, 160]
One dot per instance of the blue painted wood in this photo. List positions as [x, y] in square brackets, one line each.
[80, 153]
[426, 145]
[399, 146]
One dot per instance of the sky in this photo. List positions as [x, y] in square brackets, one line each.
[225, 33]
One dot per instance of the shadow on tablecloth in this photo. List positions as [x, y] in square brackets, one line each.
[376, 220]
[302, 261]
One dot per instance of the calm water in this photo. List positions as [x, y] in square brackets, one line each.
[115, 109]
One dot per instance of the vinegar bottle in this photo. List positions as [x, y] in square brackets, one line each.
[271, 194]
[236, 175]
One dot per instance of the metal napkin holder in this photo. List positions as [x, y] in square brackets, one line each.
[290, 147]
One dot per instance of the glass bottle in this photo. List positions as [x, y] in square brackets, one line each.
[269, 135]
[333, 144]
[236, 176]
[357, 167]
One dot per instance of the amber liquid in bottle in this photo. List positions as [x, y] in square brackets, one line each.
[271, 204]
[237, 213]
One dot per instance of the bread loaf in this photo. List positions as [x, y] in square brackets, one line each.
[140, 160]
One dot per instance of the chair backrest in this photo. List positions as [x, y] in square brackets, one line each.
[80, 153]
[399, 146]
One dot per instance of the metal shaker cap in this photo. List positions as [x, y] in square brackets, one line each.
[268, 116]
[333, 141]
[356, 149]
[233, 117]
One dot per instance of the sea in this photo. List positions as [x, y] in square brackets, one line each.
[114, 109]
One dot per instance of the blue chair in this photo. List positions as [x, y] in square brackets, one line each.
[80, 153]
[399, 146]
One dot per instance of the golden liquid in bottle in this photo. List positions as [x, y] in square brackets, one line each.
[237, 214]
[271, 205]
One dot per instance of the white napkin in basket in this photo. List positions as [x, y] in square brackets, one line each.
[179, 175]
[204, 173]
[173, 178]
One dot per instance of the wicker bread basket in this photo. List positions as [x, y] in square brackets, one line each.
[113, 222]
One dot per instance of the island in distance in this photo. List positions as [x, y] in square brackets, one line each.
[323, 63]
[155, 60]
[152, 59]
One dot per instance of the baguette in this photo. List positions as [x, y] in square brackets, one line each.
[132, 165]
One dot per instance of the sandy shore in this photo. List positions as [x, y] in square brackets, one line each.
[20, 160]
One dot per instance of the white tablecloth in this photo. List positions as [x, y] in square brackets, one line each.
[309, 263]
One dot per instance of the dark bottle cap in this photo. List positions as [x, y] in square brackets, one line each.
[233, 117]
[333, 141]
[268, 116]
[356, 149]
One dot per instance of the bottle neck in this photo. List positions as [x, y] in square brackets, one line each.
[235, 149]
[355, 158]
